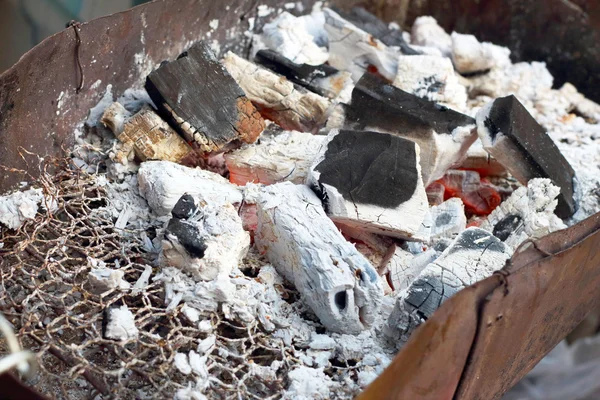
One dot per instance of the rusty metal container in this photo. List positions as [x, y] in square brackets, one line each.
[486, 337]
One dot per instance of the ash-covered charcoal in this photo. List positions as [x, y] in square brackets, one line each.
[403, 267]
[471, 56]
[119, 324]
[371, 180]
[148, 135]
[203, 100]
[432, 78]
[204, 241]
[288, 35]
[426, 32]
[287, 156]
[527, 214]
[162, 183]
[352, 49]
[335, 280]
[322, 79]
[474, 255]
[291, 107]
[443, 135]
[376, 248]
[447, 219]
[376, 27]
[435, 193]
[510, 134]
[479, 197]
[482, 162]
[19, 206]
[103, 279]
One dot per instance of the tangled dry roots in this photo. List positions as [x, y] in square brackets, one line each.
[45, 294]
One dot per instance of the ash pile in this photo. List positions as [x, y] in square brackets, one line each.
[277, 226]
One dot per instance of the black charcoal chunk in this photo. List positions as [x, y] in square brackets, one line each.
[376, 27]
[203, 101]
[185, 207]
[188, 235]
[506, 226]
[427, 294]
[512, 136]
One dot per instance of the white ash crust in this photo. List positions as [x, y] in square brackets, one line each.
[220, 229]
[162, 183]
[19, 206]
[534, 205]
[426, 32]
[284, 157]
[432, 78]
[295, 108]
[469, 55]
[288, 35]
[336, 281]
[103, 279]
[473, 256]
[404, 267]
[447, 220]
[352, 49]
[120, 324]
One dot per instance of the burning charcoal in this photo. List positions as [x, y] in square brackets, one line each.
[404, 267]
[432, 78]
[162, 183]
[338, 283]
[435, 193]
[513, 137]
[426, 32]
[470, 56]
[119, 324]
[479, 198]
[482, 162]
[204, 101]
[288, 36]
[352, 49]
[527, 213]
[148, 135]
[443, 135]
[104, 279]
[371, 180]
[285, 157]
[447, 219]
[277, 98]
[208, 241]
[474, 255]
[371, 24]
[323, 79]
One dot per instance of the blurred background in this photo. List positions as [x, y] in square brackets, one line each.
[25, 23]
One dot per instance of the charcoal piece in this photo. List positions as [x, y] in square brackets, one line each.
[442, 134]
[184, 208]
[322, 79]
[512, 136]
[334, 279]
[474, 255]
[506, 226]
[376, 27]
[188, 236]
[372, 180]
[204, 102]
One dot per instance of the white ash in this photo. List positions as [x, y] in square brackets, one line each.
[448, 219]
[143, 281]
[292, 107]
[527, 214]
[19, 206]
[404, 267]
[162, 183]
[120, 324]
[338, 283]
[469, 55]
[219, 231]
[426, 32]
[288, 35]
[314, 24]
[104, 279]
[474, 255]
[284, 157]
[96, 112]
[353, 49]
[432, 78]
